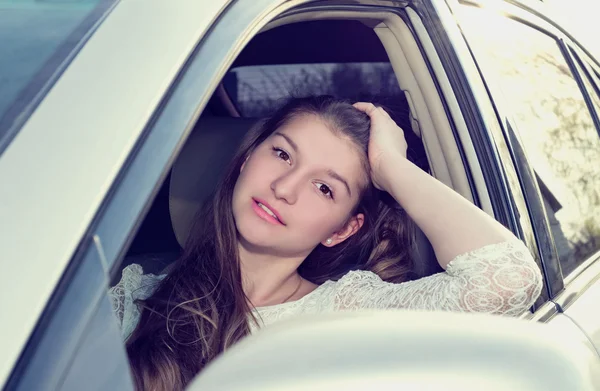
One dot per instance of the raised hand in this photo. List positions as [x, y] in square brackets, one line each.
[386, 145]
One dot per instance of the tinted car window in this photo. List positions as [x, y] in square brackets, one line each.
[257, 90]
[37, 38]
[554, 125]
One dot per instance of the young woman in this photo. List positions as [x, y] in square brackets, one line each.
[304, 222]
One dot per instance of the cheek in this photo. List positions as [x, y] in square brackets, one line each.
[254, 170]
[317, 217]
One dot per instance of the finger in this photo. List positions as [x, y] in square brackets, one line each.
[384, 112]
[370, 109]
[367, 107]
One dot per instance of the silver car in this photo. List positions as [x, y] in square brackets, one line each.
[105, 105]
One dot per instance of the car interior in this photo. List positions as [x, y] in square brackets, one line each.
[301, 40]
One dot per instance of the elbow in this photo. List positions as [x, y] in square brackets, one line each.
[533, 287]
[521, 287]
[509, 286]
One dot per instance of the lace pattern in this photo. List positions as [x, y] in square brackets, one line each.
[497, 279]
[134, 285]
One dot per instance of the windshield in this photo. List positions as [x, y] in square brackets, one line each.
[37, 40]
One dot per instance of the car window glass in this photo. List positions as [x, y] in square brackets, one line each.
[37, 38]
[553, 121]
[257, 90]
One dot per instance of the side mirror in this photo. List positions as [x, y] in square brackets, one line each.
[402, 350]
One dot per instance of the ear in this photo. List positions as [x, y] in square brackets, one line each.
[350, 228]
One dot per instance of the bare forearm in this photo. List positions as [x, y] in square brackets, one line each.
[452, 224]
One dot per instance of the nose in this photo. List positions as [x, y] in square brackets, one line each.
[285, 187]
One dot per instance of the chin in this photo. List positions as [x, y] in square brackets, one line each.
[253, 232]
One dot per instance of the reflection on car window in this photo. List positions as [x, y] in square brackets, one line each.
[36, 39]
[555, 126]
[257, 90]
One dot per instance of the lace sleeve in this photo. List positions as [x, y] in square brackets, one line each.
[134, 285]
[499, 279]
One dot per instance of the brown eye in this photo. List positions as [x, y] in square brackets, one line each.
[323, 188]
[283, 155]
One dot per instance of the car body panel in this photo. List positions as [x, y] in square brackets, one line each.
[581, 299]
[584, 313]
[562, 325]
[63, 175]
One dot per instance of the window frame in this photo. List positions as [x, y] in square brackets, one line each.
[588, 70]
[487, 132]
[563, 290]
[574, 65]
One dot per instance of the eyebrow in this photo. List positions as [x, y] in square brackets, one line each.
[331, 173]
[335, 175]
[289, 140]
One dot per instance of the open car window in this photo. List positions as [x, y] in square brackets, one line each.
[258, 90]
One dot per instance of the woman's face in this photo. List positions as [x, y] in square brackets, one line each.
[298, 188]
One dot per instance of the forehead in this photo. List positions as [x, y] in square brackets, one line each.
[324, 149]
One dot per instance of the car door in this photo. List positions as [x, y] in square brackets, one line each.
[581, 296]
[65, 148]
[547, 104]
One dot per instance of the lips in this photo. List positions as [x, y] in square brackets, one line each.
[266, 211]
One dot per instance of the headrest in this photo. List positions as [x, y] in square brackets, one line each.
[200, 165]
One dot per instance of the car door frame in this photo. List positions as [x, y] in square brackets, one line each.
[492, 147]
[562, 290]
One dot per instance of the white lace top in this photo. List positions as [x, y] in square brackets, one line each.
[498, 279]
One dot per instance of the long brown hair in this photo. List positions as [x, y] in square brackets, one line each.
[200, 308]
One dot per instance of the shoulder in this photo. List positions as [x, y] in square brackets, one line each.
[355, 278]
[135, 282]
[359, 275]
[367, 283]
[134, 285]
